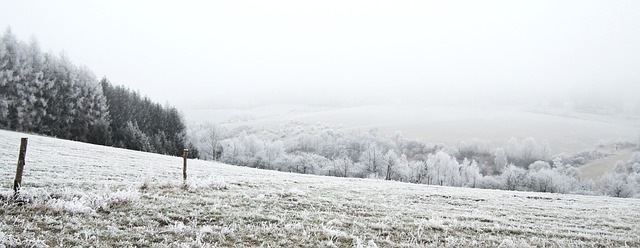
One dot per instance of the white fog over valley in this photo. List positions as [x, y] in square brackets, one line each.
[212, 55]
[364, 123]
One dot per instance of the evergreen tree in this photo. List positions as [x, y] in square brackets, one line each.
[48, 94]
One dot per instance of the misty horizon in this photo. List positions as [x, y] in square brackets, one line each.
[215, 55]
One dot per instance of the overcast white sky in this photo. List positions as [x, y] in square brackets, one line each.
[199, 54]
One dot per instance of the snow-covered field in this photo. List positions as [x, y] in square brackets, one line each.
[448, 125]
[597, 168]
[77, 194]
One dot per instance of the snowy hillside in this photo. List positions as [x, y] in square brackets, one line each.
[448, 125]
[76, 194]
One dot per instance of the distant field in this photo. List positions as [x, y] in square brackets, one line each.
[448, 125]
[599, 167]
[86, 195]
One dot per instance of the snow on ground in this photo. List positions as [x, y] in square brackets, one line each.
[77, 194]
[597, 168]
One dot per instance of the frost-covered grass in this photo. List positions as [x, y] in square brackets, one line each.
[76, 194]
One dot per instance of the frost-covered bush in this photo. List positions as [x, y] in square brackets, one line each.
[539, 165]
[548, 180]
[620, 185]
[490, 182]
[76, 202]
[191, 185]
[581, 157]
[78, 206]
[208, 183]
[514, 178]
[624, 181]
[7, 240]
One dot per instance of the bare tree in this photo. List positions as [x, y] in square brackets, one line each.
[212, 139]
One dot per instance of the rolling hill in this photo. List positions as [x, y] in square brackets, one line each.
[440, 124]
[76, 194]
[570, 133]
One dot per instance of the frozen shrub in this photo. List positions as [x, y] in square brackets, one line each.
[73, 206]
[539, 165]
[490, 182]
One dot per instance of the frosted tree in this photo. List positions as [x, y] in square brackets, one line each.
[470, 173]
[397, 166]
[272, 151]
[419, 172]
[443, 170]
[566, 169]
[500, 161]
[402, 170]
[512, 148]
[48, 94]
[29, 104]
[251, 148]
[163, 124]
[624, 181]
[544, 151]
[372, 162]
[343, 165]
[616, 185]
[541, 180]
[471, 148]
[98, 113]
[305, 143]
[214, 133]
[392, 162]
[135, 139]
[89, 109]
[622, 167]
[62, 109]
[539, 165]
[514, 178]
[306, 163]
[231, 151]
[11, 62]
[4, 101]
[312, 163]
[528, 150]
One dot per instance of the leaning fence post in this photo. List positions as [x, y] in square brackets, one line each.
[185, 153]
[17, 182]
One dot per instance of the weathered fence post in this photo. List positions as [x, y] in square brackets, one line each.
[185, 153]
[17, 182]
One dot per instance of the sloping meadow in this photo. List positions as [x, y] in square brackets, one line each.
[76, 194]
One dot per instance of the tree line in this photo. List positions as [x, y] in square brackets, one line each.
[47, 94]
[524, 165]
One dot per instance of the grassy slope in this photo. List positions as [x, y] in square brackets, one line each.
[597, 168]
[81, 194]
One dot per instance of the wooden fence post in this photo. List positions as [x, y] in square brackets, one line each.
[185, 153]
[17, 182]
